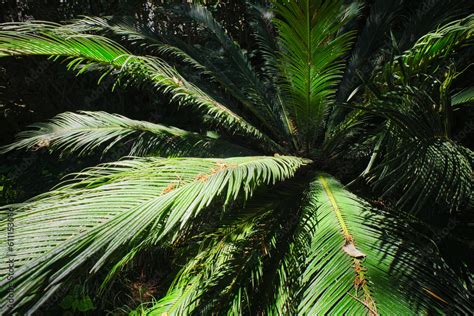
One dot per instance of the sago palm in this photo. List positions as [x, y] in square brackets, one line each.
[256, 221]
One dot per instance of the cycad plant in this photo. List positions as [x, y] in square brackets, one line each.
[255, 220]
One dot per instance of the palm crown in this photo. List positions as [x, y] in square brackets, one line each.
[255, 219]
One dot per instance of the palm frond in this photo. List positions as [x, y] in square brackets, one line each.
[311, 59]
[289, 260]
[124, 205]
[463, 97]
[85, 132]
[150, 41]
[438, 44]
[366, 57]
[357, 262]
[122, 28]
[92, 52]
[264, 33]
[236, 74]
[421, 164]
[423, 172]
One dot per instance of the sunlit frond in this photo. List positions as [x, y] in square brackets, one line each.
[119, 27]
[85, 132]
[438, 44]
[92, 52]
[352, 262]
[356, 260]
[336, 255]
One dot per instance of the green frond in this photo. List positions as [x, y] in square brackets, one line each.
[358, 261]
[137, 36]
[290, 265]
[438, 44]
[423, 172]
[92, 52]
[420, 165]
[121, 28]
[463, 97]
[310, 60]
[86, 132]
[236, 74]
[129, 204]
[263, 31]
[261, 21]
